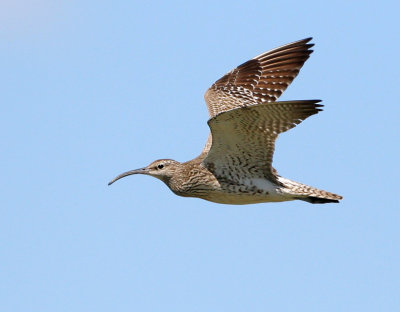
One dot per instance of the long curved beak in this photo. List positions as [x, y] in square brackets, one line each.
[136, 171]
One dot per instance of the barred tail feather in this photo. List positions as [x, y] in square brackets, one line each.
[308, 193]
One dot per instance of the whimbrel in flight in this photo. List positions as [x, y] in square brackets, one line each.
[235, 166]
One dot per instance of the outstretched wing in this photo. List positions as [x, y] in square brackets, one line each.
[259, 80]
[244, 138]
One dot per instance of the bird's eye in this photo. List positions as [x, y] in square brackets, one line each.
[160, 166]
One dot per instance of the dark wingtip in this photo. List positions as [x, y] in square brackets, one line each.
[318, 106]
[304, 41]
[308, 45]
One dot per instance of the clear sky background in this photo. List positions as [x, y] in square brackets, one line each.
[90, 89]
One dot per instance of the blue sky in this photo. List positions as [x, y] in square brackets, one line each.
[93, 88]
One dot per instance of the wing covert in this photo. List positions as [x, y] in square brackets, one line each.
[243, 139]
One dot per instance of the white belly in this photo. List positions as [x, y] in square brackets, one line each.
[249, 191]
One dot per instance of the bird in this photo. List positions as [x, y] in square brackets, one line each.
[235, 165]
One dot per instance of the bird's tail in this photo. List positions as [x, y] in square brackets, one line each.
[308, 193]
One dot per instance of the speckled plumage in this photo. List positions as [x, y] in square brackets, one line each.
[235, 166]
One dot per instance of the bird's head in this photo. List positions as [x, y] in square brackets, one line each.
[162, 169]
